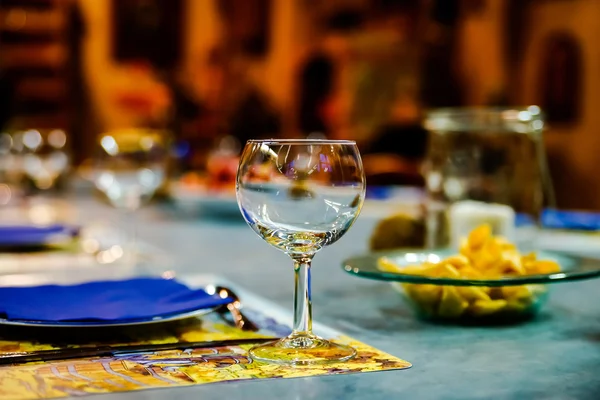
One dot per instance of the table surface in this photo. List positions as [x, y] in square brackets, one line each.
[556, 356]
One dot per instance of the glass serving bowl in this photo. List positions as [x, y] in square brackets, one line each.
[461, 300]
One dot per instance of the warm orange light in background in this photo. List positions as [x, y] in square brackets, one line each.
[352, 69]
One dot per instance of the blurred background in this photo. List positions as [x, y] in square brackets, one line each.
[215, 73]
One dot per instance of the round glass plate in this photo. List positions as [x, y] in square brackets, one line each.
[366, 266]
[107, 324]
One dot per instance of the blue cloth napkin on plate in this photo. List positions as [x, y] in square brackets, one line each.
[133, 299]
[19, 235]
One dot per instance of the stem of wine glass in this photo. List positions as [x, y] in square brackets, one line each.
[302, 296]
[131, 238]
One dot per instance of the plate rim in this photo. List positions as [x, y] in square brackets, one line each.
[108, 323]
[558, 277]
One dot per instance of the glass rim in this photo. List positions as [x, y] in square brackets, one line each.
[505, 112]
[302, 141]
[523, 119]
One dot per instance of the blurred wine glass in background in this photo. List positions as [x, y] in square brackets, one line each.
[10, 170]
[130, 165]
[45, 158]
[34, 171]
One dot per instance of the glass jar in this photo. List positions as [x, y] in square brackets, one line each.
[485, 165]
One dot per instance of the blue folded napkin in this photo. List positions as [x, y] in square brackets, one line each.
[133, 299]
[575, 220]
[23, 235]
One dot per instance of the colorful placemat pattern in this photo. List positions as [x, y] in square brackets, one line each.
[161, 369]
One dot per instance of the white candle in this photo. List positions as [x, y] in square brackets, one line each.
[464, 216]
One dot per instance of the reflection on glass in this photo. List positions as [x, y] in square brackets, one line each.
[299, 196]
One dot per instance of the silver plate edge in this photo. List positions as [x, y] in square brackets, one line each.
[108, 324]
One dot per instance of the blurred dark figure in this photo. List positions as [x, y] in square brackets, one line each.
[317, 75]
[440, 86]
[80, 128]
[241, 110]
[247, 24]
[185, 108]
[408, 141]
[395, 154]
[253, 118]
[561, 78]
[150, 30]
[316, 81]
[7, 92]
[395, 157]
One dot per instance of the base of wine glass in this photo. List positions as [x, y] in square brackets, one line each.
[302, 349]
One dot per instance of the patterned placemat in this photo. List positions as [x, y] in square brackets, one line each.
[161, 369]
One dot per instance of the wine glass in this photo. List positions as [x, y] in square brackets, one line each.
[130, 166]
[299, 196]
[45, 157]
[11, 173]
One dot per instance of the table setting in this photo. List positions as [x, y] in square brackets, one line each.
[466, 288]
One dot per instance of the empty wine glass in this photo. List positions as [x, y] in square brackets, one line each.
[130, 165]
[11, 173]
[299, 196]
[45, 158]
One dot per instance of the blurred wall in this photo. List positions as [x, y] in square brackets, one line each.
[99, 67]
[573, 148]
[481, 60]
[203, 31]
[488, 76]
[105, 76]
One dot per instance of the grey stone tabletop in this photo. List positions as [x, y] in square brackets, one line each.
[555, 356]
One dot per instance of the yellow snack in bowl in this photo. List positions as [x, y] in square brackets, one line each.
[425, 269]
[523, 297]
[516, 292]
[472, 293]
[487, 307]
[470, 272]
[513, 263]
[479, 236]
[426, 296]
[387, 265]
[452, 304]
[459, 261]
[446, 270]
[481, 256]
[544, 267]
